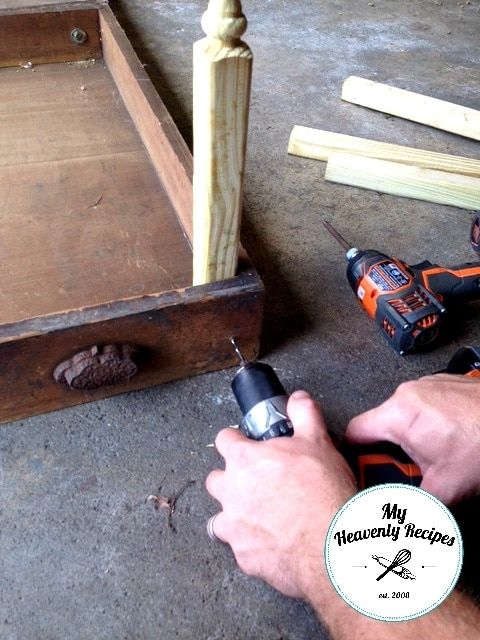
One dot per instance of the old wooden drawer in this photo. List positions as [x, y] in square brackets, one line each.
[95, 202]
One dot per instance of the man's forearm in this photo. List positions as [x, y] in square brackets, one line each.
[278, 536]
[458, 617]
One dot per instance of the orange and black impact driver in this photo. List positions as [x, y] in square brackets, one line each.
[263, 402]
[383, 462]
[408, 302]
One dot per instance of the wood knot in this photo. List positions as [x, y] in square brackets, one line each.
[97, 367]
[224, 20]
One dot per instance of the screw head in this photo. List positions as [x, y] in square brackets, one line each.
[78, 36]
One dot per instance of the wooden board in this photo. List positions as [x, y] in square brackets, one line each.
[24, 6]
[403, 180]
[45, 37]
[178, 334]
[168, 152]
[82, 209]
[319, 145]
[433, 112]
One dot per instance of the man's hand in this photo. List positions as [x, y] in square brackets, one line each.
[436, 421]
[278, 498]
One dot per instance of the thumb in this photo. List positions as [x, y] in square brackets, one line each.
[381, 423]
[306, 416]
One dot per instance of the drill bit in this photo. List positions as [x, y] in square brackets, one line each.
[340, 239]
[243, 362]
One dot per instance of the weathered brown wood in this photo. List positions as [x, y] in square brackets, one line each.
[40, 37]
[180, 335]
[168, 151]
[83, 217]
[93, 251]
[30, 6]
[46, 115]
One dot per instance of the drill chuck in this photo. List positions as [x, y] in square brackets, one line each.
[262, 400]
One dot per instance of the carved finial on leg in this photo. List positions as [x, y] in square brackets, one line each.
[224, 20]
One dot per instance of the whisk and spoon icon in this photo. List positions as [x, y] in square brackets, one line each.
[402, 557]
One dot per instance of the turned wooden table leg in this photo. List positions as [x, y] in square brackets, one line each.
[221, 94]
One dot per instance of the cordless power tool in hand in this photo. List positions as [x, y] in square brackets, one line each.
[408, 302]
[263, 402]
[383, 462]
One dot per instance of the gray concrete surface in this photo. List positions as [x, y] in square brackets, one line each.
[82, 554]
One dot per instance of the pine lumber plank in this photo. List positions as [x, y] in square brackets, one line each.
[440, 114]
[221, 94]
[318, 144]
[403, 180]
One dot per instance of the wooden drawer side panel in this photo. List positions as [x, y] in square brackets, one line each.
[167, 149]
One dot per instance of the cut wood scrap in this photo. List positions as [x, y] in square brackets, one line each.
[403, 180]
[413, 106]
[319, 145]
[222, 67]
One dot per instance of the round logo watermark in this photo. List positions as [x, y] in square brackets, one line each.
[393, 552]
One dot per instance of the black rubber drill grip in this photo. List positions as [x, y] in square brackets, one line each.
[254, 383]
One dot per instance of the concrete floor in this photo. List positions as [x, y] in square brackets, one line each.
[82, 554]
